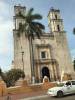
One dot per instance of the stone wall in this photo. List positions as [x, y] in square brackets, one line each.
[3, 88]
[24, 87]
[30, 88]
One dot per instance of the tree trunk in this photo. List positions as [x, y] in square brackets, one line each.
[32, 60]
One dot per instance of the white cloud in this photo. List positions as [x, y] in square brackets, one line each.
[5, 31]
[6, 27]
[4, 8]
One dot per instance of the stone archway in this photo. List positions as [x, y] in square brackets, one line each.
[45, 72]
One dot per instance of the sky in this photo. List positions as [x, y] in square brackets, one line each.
[67, 8]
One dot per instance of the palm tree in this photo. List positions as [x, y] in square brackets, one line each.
[32, 28]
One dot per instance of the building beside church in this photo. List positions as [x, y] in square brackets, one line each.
[50, 56]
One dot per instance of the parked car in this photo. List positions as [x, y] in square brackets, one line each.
[63, 88]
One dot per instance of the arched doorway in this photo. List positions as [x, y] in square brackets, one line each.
[45, 72]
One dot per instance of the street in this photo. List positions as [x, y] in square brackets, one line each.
[41, 97]
[70, 97]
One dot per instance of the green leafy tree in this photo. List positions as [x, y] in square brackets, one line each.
[2, 74]
[31, 28]
[12, 76]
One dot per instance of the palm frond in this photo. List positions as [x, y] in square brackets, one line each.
[36, 17]
[37, 31]
[20, 15]
[39, 25]
[30, 12]
[31, 27]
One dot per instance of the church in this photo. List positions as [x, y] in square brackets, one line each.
[50, 55]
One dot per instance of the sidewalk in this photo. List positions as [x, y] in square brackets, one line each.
[35, 97]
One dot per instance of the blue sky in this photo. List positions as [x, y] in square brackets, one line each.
[67, 8]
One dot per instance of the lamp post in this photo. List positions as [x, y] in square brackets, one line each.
[23, 59]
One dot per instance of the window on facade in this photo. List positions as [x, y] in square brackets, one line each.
[58, 27]
[55, 16]
[43, 54]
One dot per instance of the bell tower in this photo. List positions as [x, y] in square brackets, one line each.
[56, 26]
[21, 44]
[62, 51]
[55, 21]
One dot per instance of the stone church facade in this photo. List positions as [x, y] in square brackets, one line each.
[50, 56]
